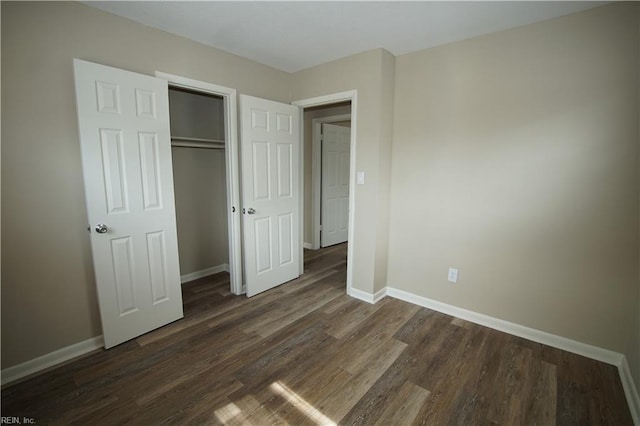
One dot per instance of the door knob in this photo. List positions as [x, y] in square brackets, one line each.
[251, 210]
[101, 228]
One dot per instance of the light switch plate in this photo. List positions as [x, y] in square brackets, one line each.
[360, 178]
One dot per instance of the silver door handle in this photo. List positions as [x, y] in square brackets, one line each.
[251, 211]
[101, 228]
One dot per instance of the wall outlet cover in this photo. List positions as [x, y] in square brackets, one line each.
[453, 275]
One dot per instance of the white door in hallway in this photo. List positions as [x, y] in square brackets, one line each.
[336, 147]
[126, 158]
[270, 147]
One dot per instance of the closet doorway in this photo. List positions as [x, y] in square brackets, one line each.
[205, 158]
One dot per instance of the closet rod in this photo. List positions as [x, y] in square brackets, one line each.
[197, 143]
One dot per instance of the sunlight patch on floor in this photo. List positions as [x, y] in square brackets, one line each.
[227, 413]
[302, 405]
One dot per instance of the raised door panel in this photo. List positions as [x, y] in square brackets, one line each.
[285, 170]
[285, 239]
[113, 165]
[146, 103]
[329, 218]
[150, 171]
[123, 268]
[263, 245]
[157, 257]
[261, 168]
[108, 97]
[343, 214]
[259, 119]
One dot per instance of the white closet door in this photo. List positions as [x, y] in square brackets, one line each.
[126, 157]
[270, 146]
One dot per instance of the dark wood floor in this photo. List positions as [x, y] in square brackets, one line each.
[305, 353]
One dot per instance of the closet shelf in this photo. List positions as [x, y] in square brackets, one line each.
[182, 141]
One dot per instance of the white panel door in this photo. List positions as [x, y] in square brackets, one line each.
[336, 147]
[126, 159]
[270, 144]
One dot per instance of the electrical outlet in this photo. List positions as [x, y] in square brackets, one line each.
[453, 275]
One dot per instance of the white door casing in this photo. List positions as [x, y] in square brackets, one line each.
[126, 157]
[269, 149]
[335, 184]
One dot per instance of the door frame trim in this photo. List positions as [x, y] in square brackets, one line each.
[352, 96]
[316, 173]
[233, 180]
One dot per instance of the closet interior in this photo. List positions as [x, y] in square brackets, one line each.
[199, 176]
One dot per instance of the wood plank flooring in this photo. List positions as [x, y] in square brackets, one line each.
[305, 353]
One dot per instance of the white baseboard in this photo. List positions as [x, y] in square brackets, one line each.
[204, 272]
[368, 297]
[362, 295]
[630, 390]
[379, 295]
[307, 246]
[51, 359]
[545, 338]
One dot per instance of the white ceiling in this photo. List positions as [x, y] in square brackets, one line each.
[294, 35]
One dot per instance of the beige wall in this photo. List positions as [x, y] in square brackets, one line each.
[367, 73]
[196, 115]
[199, 179]
[515, 159]
[310, 114]
[48, 287]
[382, 207]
